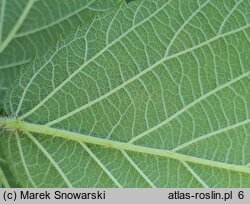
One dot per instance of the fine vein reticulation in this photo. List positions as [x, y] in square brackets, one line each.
[152, 94]
[35, 26]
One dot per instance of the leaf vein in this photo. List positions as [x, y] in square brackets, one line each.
[100, 164]
[12, 123]
[53, 23]
[53, 162]
[23, 161]
[17, 25]
[189, 106]
[121, 85]
[138, 169]
[194, 174]
[89, 61]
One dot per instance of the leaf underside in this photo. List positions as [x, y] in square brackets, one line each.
[7, 180]
[30, 27]
[150, 76]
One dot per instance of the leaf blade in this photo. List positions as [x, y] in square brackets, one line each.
[158, 102]
[36, 26]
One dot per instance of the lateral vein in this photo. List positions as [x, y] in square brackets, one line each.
[244, 122]
[3, 179]
[145, 177]
[89, 61]
[18, 24]
[94, 157]
[196, 101]
[228, 15]
[23, 160]
[129, 81]
[53, 162]
[53, 23]
[194, 174]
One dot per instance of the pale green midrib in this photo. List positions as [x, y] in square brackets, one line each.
[17, 25]
[19, 35]
[17, 125]
[3, 179]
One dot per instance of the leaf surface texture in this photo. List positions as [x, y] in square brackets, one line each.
[28, 27]
[152, 94]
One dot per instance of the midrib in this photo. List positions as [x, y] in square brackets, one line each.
[17, 125]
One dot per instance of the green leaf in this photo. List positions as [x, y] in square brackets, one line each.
[28, 27]
[6, 178]
[3, 181]
[153, 94]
